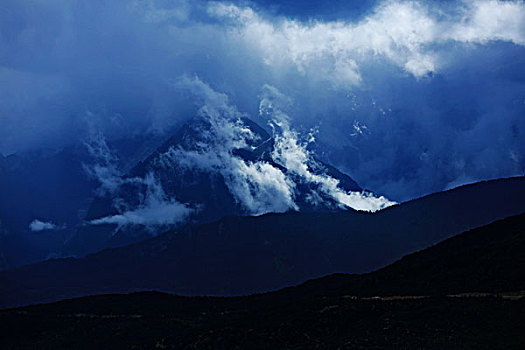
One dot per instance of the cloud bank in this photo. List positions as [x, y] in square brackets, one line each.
[408, 97]
[400, 32]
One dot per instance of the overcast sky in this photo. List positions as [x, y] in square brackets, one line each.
[407, 97]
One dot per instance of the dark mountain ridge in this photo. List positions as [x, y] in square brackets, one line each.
[243, 255]
[488, 259]
[464, 292]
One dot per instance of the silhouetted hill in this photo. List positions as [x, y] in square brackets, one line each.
[243, 255]
[408, 304]
[487, 259]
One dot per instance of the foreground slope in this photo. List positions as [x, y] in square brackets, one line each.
[335, 312]
[488, 259]
[242, 255]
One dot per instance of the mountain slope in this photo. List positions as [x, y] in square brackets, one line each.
[488, 259]
[334, 312]
[209, 186]
[47, 185]
[52, 185]
[241, 255]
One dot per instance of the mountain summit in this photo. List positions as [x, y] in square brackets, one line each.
[211, 168]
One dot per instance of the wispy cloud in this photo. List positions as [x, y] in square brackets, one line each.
[157, 209]
[104, 166]
[37, 225]
[154, 207]
[259, 186]
[294, 156]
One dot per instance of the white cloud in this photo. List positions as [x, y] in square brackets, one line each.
[154, 212]
[37, 225]
[258, 187]
[157, 209]
[294, 156]
[402, 32]
[485, 21]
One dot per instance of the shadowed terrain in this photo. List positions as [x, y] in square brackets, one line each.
[244, 255]
[465, 292]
